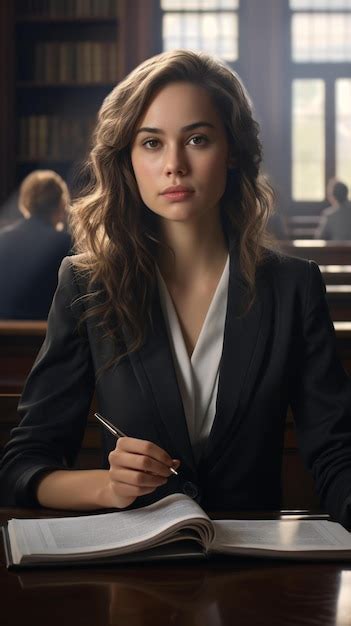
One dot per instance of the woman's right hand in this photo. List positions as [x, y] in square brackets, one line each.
[137, 467]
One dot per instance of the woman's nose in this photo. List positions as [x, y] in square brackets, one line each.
[175, 161]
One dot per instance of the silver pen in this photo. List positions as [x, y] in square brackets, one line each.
[118, 433]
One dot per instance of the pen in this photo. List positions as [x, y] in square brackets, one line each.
[118, 433]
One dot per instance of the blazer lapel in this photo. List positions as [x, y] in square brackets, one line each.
[153, 365]
[244, 343]
[245, 339]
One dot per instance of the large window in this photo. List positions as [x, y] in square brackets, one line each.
[294, 57]
[321, 95]
[208, 25]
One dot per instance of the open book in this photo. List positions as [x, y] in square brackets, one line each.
[174, 527]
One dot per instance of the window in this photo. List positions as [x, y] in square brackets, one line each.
[321, 91]
[343, 130]
[308, 139]
[207, 25]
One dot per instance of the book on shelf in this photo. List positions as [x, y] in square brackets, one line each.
[53, 137]
[79, 62]
[175, 527]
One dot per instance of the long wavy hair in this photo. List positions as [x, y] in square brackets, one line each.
[117, 237]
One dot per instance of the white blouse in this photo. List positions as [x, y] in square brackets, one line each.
[198, 376]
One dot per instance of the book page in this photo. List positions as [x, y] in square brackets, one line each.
[281, 535]
[117, 532]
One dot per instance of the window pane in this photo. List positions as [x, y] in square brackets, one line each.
[308, 152]
[214, 33]
[332, 5]
[198, 5]
[321, 37]
[343, 130]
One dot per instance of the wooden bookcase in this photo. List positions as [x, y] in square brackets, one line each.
[66, 63]
[62, 57]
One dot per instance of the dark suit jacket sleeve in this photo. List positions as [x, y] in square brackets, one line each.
[321, 403]
[55, 401]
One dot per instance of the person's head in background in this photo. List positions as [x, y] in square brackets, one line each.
[340, 193]
[111, 223]
[329, 191]
[44, 194]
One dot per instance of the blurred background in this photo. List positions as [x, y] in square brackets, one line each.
[60, 58]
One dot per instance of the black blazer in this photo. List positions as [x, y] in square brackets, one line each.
[31, 252]
[283, 351]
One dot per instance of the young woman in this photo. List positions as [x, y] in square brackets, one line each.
[194, 334]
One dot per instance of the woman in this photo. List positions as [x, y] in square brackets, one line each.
[193, 332]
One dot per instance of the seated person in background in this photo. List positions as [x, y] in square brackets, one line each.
[32, 249]
[335, 221]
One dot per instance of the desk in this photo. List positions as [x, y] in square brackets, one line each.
[226, 592]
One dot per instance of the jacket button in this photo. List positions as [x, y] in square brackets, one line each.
[190, 489]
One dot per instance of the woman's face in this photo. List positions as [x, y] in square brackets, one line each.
[181, 142]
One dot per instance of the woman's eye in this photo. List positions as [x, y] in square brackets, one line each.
[151, 143]
[199, 140]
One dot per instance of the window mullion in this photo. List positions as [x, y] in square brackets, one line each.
[330, 135]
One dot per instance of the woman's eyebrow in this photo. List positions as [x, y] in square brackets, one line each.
[148, 129]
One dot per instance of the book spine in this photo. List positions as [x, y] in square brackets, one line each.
[23, 139]
[55, 138]
[113, 66]
[43, 137]
[32, 137]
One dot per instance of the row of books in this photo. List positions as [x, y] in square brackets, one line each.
[66, 8]
[83, 61]
[49, 137]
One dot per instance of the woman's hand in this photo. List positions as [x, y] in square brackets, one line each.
[137, 467]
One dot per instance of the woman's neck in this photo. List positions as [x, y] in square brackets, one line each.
[198, 254]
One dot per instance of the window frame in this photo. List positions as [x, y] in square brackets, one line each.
[233, 64]
[329, 72]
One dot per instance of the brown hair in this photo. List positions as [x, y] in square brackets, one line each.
[115, 233]
[41, 194]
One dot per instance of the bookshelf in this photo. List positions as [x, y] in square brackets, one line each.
[66, 63]
[60, 58]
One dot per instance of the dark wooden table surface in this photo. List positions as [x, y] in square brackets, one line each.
[224, 592]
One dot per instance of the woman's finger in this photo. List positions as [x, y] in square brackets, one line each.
[135, 478]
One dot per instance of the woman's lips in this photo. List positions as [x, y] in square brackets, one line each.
[178, 196]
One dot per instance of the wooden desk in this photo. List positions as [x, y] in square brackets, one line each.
[226, 592]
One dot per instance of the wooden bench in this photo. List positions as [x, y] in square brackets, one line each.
[302, 226]
[336, 274]
[339, 302]
[320, 251]
[19, 345]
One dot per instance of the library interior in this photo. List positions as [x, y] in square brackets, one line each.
[175, 253]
